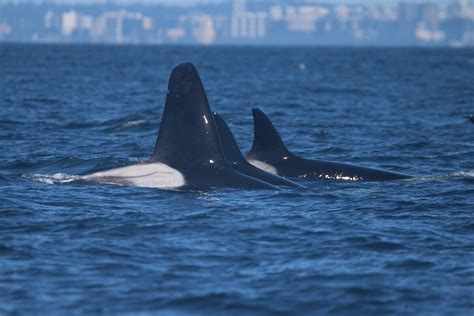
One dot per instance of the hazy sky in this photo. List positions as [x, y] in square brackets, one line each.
[187, 2]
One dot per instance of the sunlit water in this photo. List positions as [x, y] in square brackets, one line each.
[340, 247]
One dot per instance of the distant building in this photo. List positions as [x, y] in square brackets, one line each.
[69, 22]
[309, 22]
[245, 24]
[203, 29]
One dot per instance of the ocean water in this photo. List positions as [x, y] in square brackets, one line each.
[339, 247]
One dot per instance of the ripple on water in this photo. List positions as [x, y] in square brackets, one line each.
[410, 264]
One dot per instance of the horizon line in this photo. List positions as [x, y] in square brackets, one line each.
[242, 45]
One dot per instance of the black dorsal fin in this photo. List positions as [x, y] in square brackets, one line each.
[187, 127]
[229, 144]
[266, 138]
[237, 160]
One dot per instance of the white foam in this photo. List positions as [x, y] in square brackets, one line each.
[134, 123]
[340, 177]
[446, 176]
[469, 174]
[55, 178]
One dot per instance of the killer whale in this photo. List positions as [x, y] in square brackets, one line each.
[237, 160]
[188, 151]
[269, 153]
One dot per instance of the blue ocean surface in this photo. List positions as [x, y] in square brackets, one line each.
[338, 247]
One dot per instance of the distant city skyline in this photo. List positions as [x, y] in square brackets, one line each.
[194, 2]
[247, 22]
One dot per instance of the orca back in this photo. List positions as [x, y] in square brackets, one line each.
[268, 148]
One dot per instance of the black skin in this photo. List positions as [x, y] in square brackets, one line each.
[188, 140]
[269, 148]
[216, 176]
[237, 160]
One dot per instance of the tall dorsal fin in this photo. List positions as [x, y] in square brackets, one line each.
[266, 137]
[229, 144]
[187, 127]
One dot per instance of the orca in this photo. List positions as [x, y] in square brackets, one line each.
[237, 160]
[269, 153]
[188, 153]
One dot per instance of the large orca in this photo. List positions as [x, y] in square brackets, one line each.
[237, 160]
[269, 153]
[188, 152]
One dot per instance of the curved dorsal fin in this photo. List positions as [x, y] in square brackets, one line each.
[237, 160]
[265, 137]
[229, 144]
[187, 127]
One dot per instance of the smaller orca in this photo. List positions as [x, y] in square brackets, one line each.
[188, 152]
[237, 160]
[269, 153]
